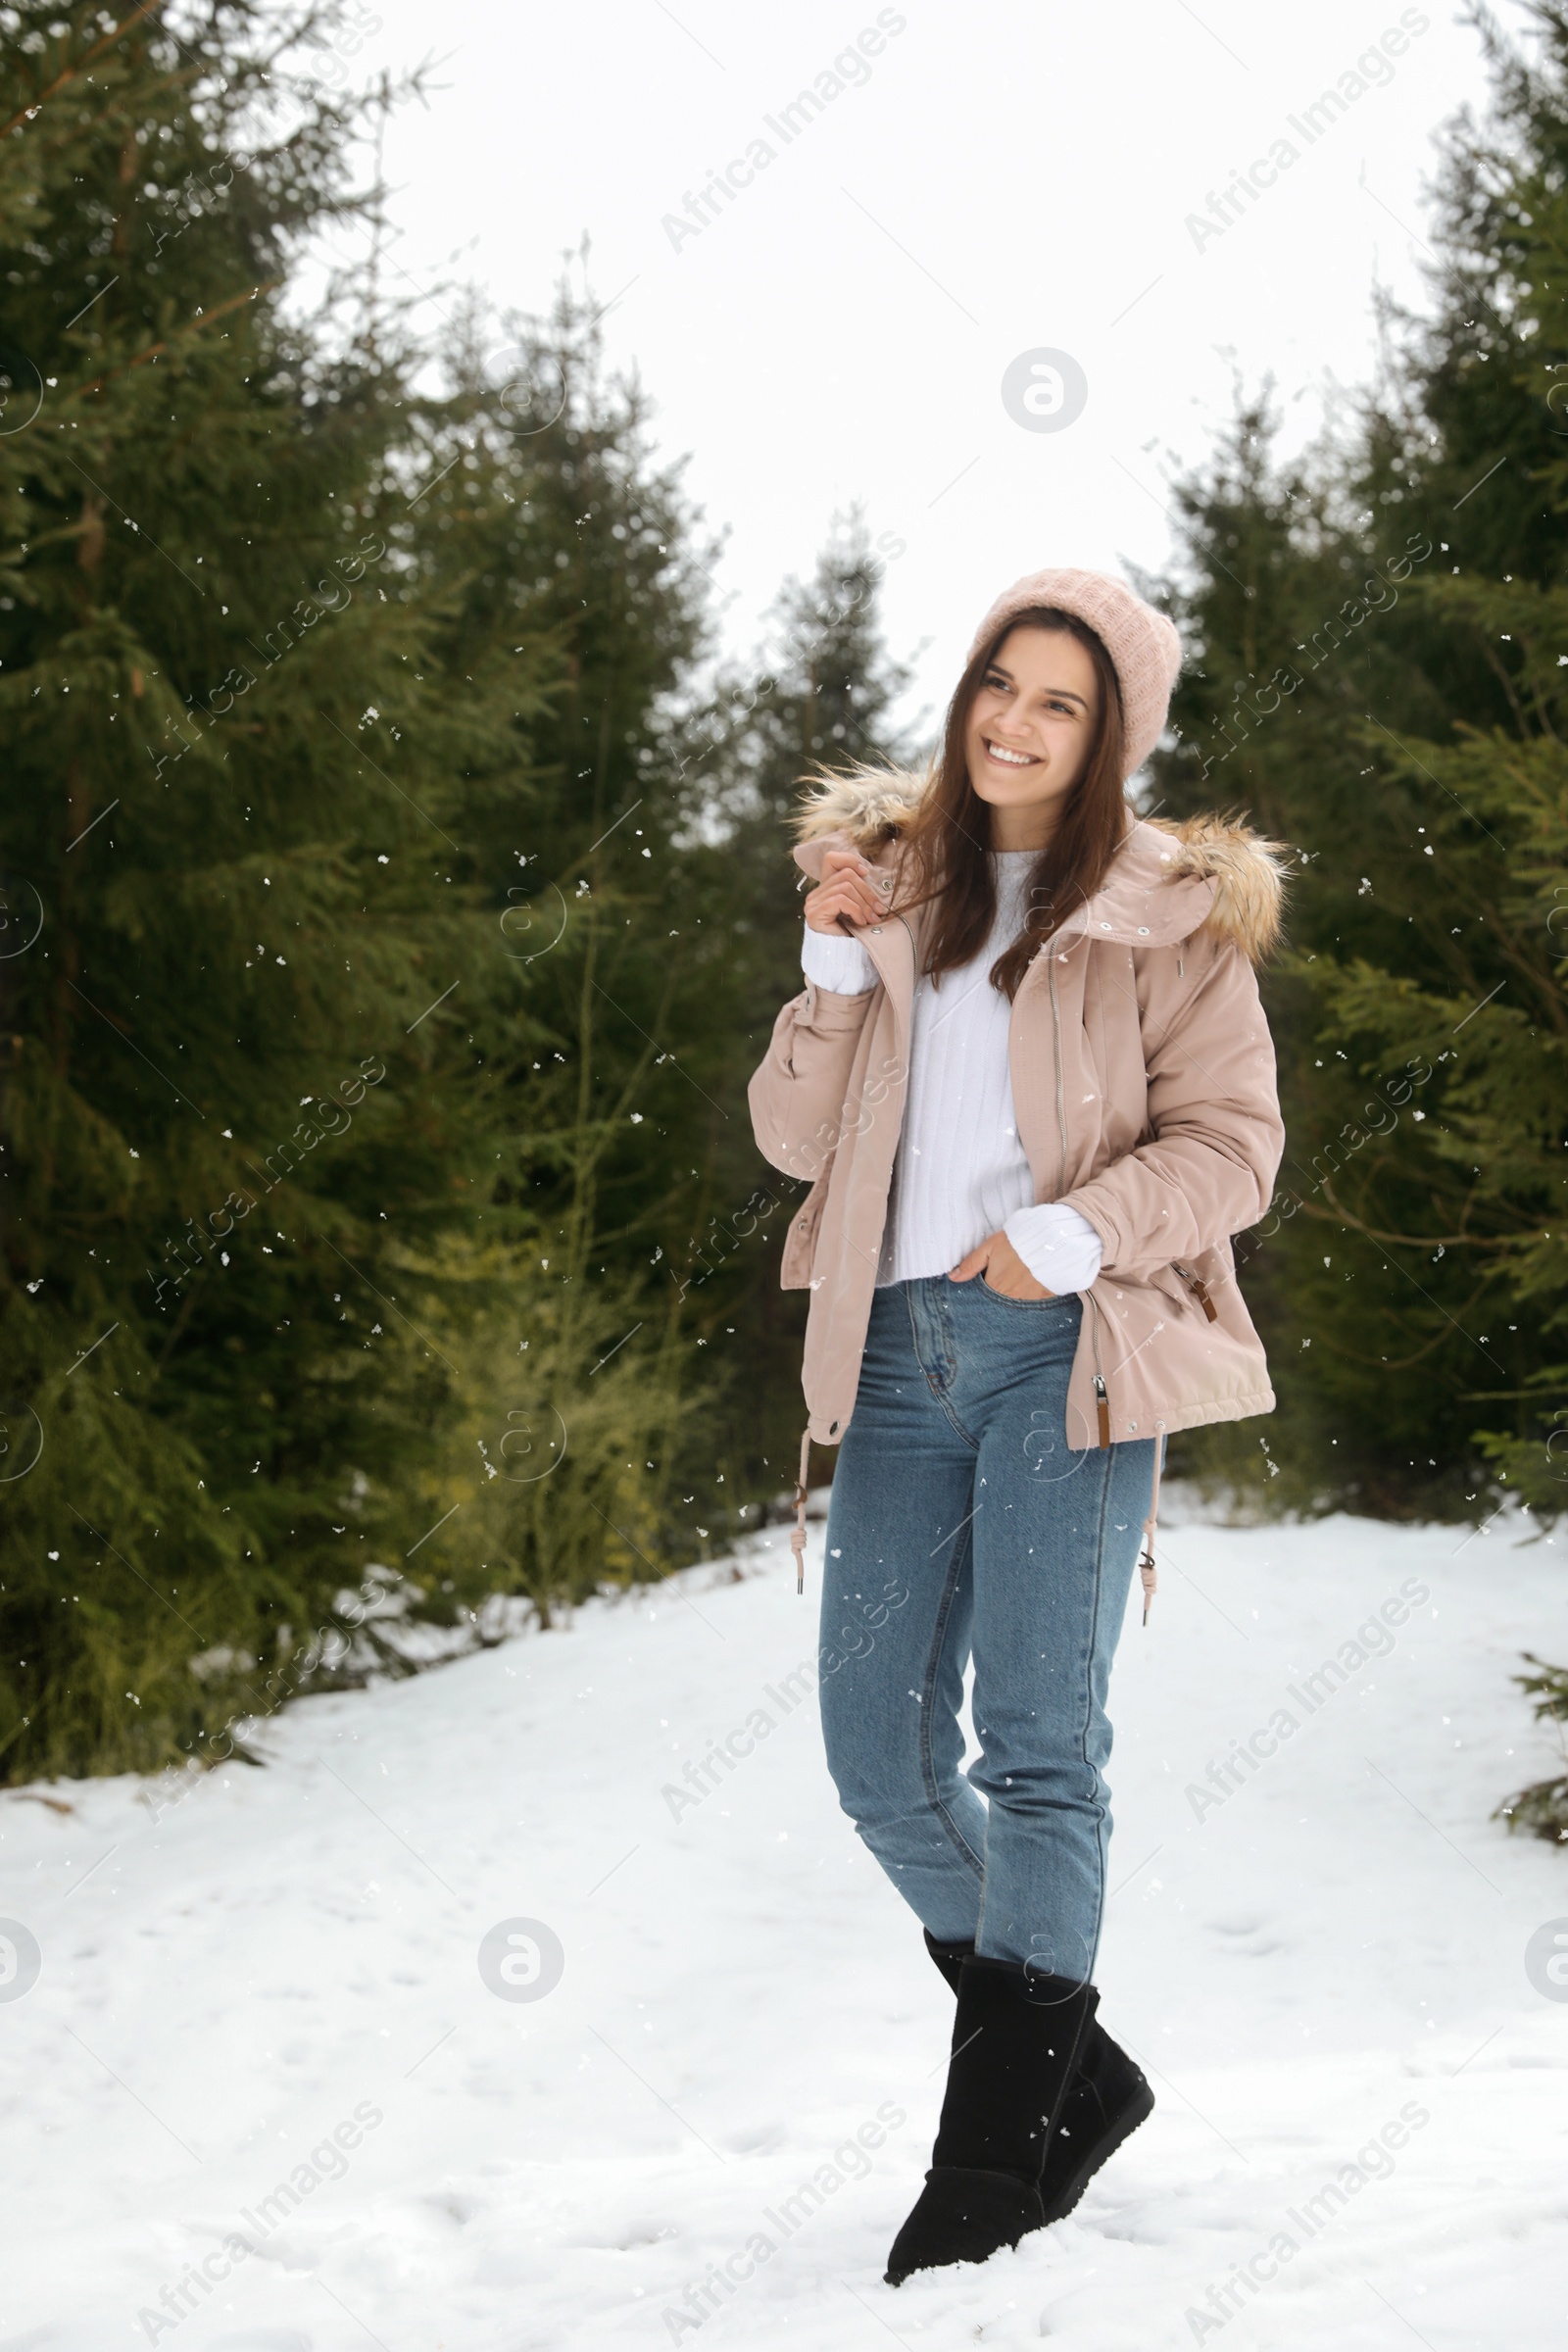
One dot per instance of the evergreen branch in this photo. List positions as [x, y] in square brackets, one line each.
[72, 134]
[1550, 1688]
[220, 310]
[67, 531]
[1338, 1213]
[295, 36]
[1542, 983]
[591, 1137]
[1546, 1388]
[1394, 1364]
[177, 1331]
[649, 1049]
[72, 73]
[1501, 673]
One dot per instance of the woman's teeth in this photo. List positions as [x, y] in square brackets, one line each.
[1009, 758]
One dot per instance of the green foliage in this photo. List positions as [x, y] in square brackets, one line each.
[826, 696]
[223, 1147]
[1383, 631]
[1273, 718]
[392, 921]
[1541, 1809]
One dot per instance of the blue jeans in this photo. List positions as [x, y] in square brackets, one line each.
[962, 1522]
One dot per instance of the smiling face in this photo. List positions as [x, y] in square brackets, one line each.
[1030, 732]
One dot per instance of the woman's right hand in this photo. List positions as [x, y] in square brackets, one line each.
[846, 894]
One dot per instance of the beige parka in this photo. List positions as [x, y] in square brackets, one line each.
[1143, 1085]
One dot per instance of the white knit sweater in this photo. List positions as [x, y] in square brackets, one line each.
[960, 1172]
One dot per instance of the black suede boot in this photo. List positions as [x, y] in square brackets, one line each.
[949, 1957]
[1109, 2100]
[1016, 2036]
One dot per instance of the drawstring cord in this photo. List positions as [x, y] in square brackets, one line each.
[1148, 1575]
[797, 1531]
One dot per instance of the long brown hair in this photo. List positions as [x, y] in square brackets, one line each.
[949, 835]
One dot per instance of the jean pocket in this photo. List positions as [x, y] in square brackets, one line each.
[1030, 1305]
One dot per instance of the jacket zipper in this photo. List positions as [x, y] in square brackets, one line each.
[1056, 1035]
[1101, 1396]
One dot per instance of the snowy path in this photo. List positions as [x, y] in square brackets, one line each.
[277, 1981]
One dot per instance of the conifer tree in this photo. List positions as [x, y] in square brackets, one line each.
[552, 518]
[227, 1170]
[1299, 621]
[1400, 722]
[822, 692]
[294, 704]
[1493, 648]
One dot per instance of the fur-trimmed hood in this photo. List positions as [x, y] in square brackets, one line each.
[1171, 879]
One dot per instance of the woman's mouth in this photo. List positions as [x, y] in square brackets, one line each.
[1003, 758]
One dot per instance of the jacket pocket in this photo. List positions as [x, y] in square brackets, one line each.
[799, 1245]
[1186, 1286]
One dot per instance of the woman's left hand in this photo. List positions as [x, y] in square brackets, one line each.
[1004, 1269]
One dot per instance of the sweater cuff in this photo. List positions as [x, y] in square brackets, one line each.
[1059, 1247]
[839, 964]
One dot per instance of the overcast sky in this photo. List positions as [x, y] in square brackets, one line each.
[987, 181]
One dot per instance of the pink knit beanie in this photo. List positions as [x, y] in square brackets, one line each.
[1144, 647]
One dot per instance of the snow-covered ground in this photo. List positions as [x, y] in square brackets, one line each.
[261, 2022]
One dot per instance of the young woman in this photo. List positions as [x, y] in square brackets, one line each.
[1031, 1080]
